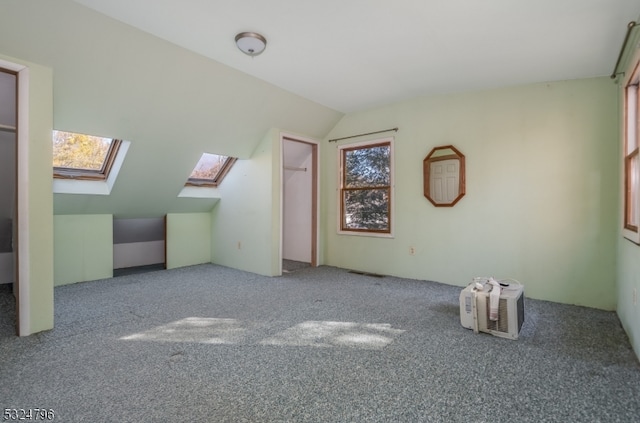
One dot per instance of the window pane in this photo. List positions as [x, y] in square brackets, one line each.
[79, 151]
[208, 167]
[632, 118]
[632, 190]
[367, 167]
[631, 158]
[366, 209]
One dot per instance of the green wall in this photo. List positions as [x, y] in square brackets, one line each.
[83, 248]
[84, 244]
[541, 193]
[628, 252]
[188, 239]
[245, 222]
[628, 280]
[35, 199]
[40, 202]
[113, 80]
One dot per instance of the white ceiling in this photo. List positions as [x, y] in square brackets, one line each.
[352, 55]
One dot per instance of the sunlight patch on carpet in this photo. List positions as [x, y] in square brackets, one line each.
[201, 330]
[217, 331]
[336, 334]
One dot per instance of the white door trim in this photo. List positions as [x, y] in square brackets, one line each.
[22, 275]
[316, 169]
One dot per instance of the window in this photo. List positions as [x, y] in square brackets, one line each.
[80, 156]
[210, 170]
[366, 187]
[631, 158]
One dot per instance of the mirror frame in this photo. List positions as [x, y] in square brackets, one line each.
[426, 170]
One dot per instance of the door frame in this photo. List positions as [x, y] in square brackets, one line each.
[315, 191]
[21, 250]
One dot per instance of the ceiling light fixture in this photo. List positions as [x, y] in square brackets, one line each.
[251, 43]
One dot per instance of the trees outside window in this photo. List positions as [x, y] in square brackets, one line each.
[210, 170]
[366, 187]
[81, 156]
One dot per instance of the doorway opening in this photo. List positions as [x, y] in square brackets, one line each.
[299, 204]
[8, 201]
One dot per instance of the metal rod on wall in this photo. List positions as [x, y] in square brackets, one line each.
[7, 128]
[362, 135]
[630, 27]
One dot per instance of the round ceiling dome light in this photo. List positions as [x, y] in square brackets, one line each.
[251, 43]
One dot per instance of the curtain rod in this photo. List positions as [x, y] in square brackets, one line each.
[630, 27]
[7, 128]
[362, 135]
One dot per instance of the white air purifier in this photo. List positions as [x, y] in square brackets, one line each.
[475, 309]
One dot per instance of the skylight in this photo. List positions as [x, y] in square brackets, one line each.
[80, 156]
[210, 170]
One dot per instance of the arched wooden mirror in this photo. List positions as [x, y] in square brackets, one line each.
[444, 181]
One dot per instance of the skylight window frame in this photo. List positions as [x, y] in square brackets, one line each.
[90, 174]
[213, 182]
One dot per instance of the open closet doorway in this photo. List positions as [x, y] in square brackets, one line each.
[299, 203]
[8, 199]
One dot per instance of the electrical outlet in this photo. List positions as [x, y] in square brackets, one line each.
[239, 245]
[412, 251]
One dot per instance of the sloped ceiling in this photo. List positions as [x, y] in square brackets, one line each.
[167, 76]
[357, 54]
[172, 104]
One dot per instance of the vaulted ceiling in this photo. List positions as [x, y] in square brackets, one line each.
[167, 76]
[172, 104]
[356, 54]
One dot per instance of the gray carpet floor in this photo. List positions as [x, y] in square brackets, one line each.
[293, 265]
[212, 344]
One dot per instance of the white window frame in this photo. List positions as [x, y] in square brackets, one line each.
[363, 144]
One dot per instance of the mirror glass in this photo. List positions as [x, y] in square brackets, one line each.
[443, 171]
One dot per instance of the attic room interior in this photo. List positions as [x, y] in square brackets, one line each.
[317, 273]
